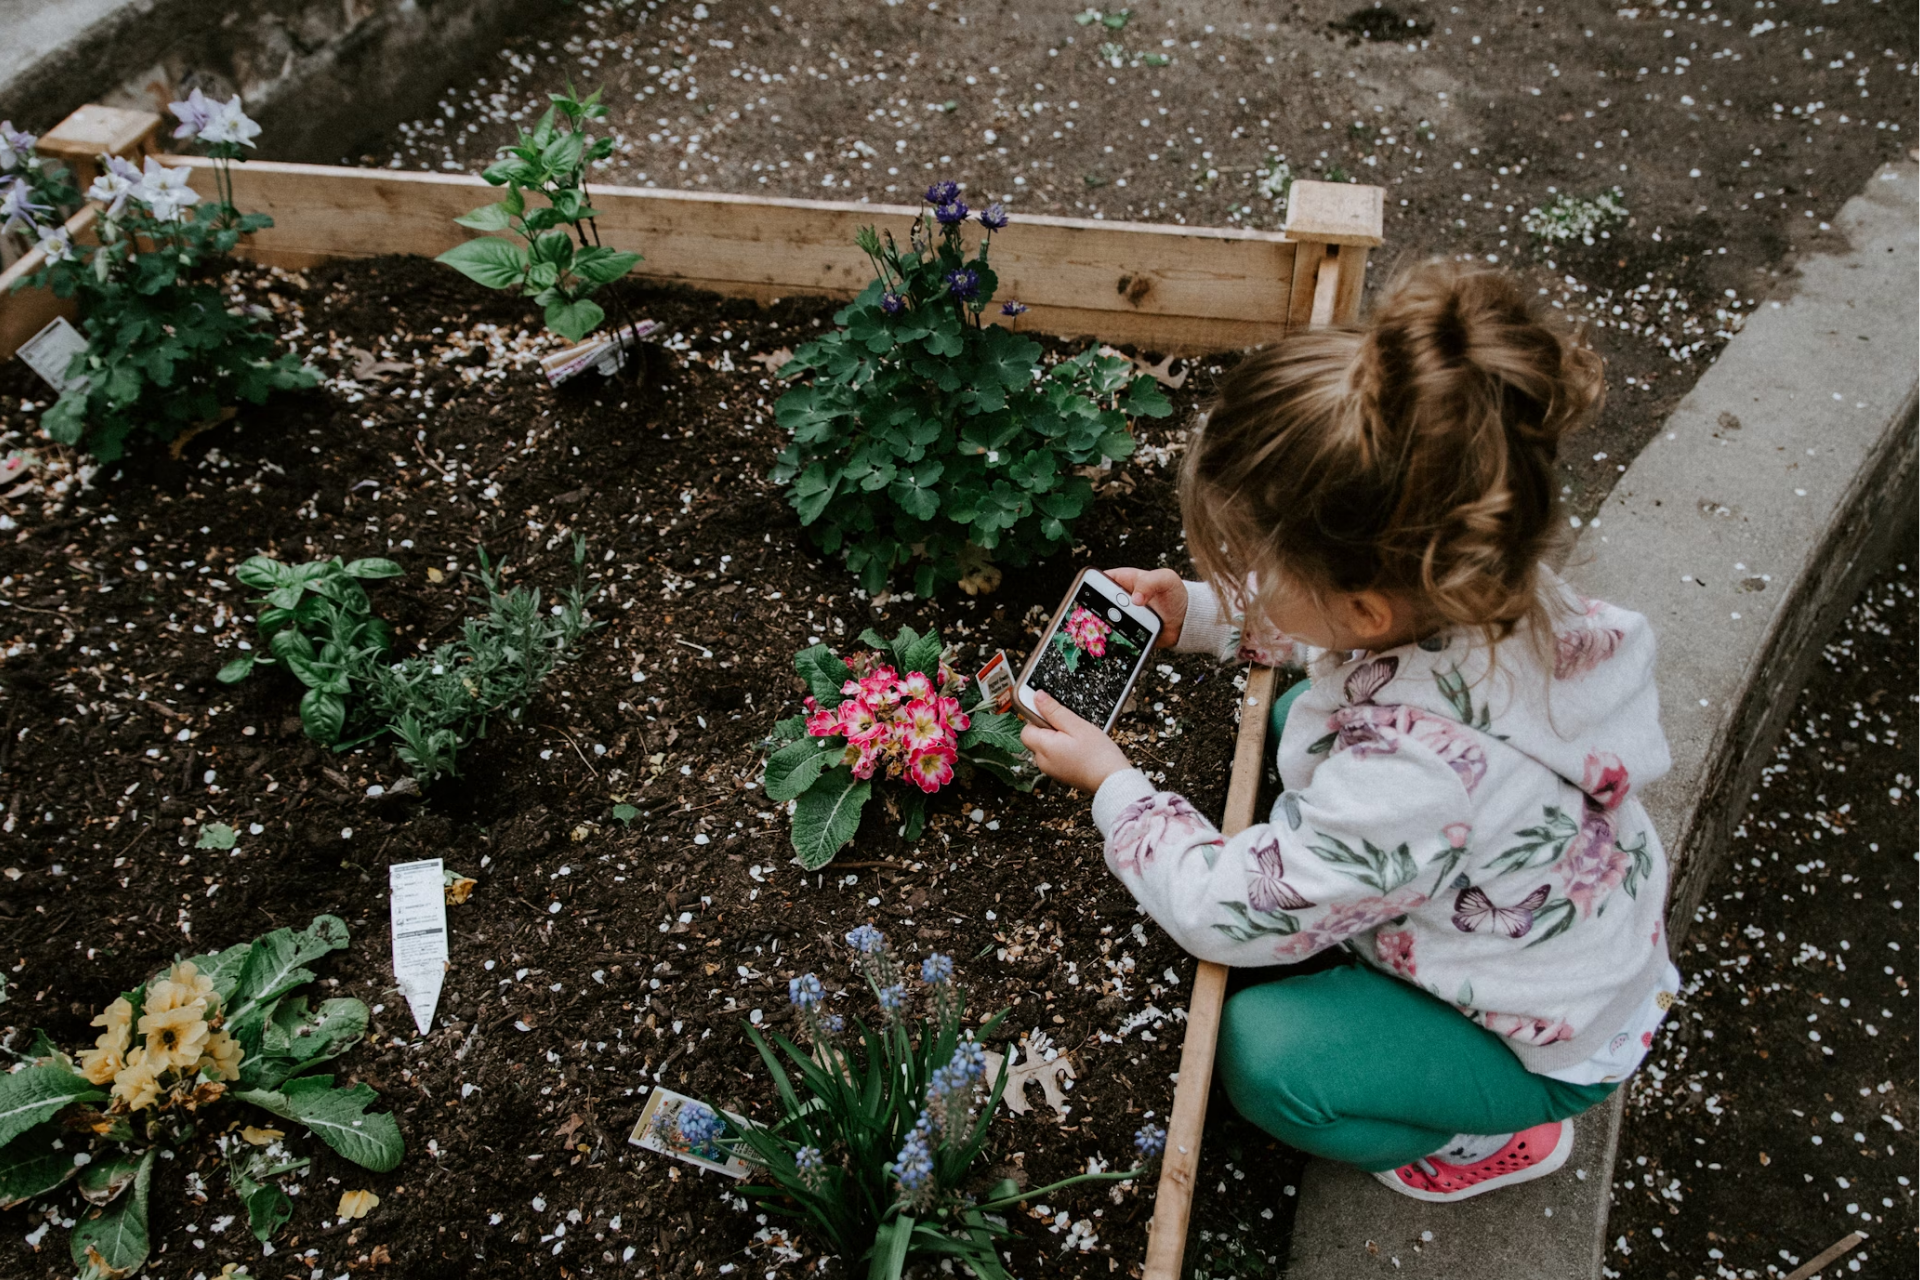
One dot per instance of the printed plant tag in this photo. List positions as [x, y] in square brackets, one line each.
[419, 904]
[996, 682]
[603, 353]
[50, 351]
[657, 1131]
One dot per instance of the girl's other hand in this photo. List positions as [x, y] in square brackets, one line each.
[1074, 751]
[1162, 591]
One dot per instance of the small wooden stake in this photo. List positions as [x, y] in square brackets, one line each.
[1831, 1255]
[1173, 1202]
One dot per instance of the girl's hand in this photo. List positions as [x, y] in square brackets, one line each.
[1073, 751]
[1162, 591]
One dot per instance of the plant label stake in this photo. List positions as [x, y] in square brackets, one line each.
[655, 1131]
[50, 351]
[419, 903]
[605, 354]
[1173, 1202]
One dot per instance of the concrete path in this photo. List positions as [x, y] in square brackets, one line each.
[1744, 532]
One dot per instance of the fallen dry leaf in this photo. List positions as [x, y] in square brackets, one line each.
[261, 1137]
[772, 361]
[356, 1204]
[434, 575]
[459, 889]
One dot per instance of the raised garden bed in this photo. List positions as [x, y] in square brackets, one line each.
[434, 434]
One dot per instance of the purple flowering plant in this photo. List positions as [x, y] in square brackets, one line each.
[879, 1132]
[166, 353]
[931, 437]
[560, 260]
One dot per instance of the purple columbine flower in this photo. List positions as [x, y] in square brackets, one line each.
[943, 193]
[1013, 308]
[892, 303]
[16, 147]
[951, 215]
[194, 113]
[994, 217]
[18, 208]
[963, 284]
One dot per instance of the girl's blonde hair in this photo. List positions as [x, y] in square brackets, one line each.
[1413, 454]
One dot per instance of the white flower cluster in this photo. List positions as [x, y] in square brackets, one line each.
[162, 191]
[1571, 217]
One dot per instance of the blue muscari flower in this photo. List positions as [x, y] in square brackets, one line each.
[963, 284]
[1150, 1141]
[833, 1024]
[893, 998]
[969, 1061]
[892, 303]
[805, 991]
[913, 1167]
[994, 217]
[867, 940]
[698, 1124]
[943, 193]
[811, 1165]
[936, 969]
[951, 215]
[1013, 308]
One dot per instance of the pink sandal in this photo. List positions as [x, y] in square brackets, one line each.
[1529, 1154]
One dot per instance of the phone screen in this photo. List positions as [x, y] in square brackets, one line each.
[1091, 655]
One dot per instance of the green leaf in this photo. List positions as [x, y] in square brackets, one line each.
[216, 835]
[237, 670]
[576, 319]
[268, 1209]
[112, 1242]
[338, 1117]
[323, 715]
[30, 1165]
[319, 676]
[305, 1036]
[373, 567]
[35, 1095]
[824, 674]
[812, 491]
[794, 768]
[890, 1243]
[1144, 399]
[488, 217]
[274, 963]
[923, 655]
[624, 814]
[489, 261]
[993, 729]
[827, 814]
[102, 1181]
[603, 266]
[263, 572]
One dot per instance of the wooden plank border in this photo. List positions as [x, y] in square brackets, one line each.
[1173, 1202]
[1172, 289]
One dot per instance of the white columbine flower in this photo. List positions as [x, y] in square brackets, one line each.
[228, 123]
[56, 244]
[165, 191]
[112, 188]
[16, 148]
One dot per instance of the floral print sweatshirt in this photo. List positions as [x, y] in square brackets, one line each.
[1465, 823]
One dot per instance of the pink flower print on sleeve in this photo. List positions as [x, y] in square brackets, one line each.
[1344, 920]
[1605, 779]
[1370, 678]
[1584, 645]
[1526, 1029]
[1266, 888]
[1394, 947]
[1457, 834]
[1155, 822]
[1593, 864]
[1369, 729]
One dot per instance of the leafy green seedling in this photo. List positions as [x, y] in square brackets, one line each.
[216, 835]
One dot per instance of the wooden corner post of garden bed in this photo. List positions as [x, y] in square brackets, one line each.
[1335, 225]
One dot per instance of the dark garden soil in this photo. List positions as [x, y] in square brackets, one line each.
[1734, 131]
[593, 959]
[1777, 1113]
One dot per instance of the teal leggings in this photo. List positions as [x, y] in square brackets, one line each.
[1350, 1064]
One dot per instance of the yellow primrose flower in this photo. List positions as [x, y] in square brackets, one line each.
[138, 1084]
[223, 1055]
[100, 1063]
[183, 985]
[176, 1037]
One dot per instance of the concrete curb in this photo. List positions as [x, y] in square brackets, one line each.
[1743, 532]
[321, 76]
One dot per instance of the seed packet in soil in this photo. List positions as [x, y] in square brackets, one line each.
[50, 351]
[996, 682]
[658, 1129]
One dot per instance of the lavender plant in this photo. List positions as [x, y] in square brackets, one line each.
[166, 353]
[551, 160]
[875, 1150]
[931, 441]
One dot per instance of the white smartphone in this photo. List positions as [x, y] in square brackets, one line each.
[1091, 653]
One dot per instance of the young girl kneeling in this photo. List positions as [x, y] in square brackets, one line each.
[1377, 504]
